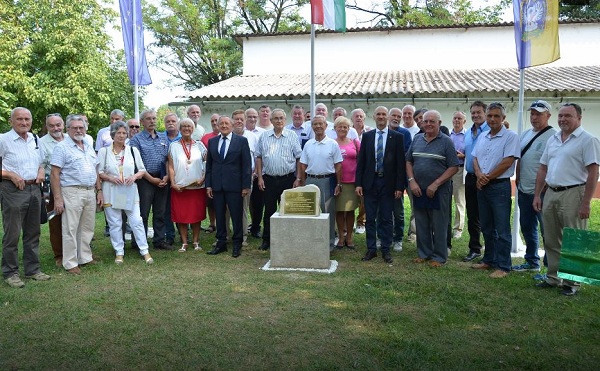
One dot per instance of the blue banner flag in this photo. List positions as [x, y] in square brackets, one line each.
[536, 32]
[133, 40]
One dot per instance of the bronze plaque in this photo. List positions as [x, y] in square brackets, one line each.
[300, 203]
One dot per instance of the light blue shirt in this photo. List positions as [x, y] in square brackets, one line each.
[78, 166]
[470, 141]
[490, 150]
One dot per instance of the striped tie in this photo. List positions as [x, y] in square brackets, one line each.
[379, 152]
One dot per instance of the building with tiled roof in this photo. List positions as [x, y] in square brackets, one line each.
[438, 67]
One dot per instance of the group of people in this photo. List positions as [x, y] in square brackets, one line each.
[242, 166]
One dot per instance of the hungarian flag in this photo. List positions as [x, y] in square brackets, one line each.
[329, 13]
[536, 32]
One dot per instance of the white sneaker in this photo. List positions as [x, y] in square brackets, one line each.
[457, 234]
[378, 243]
[398, 246]
[127, 236]
[360, 229]
[150, 233]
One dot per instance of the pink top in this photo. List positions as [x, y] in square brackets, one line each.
[350, 156]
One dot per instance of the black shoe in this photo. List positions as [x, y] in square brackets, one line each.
[164, 246]
[106, 232]
[369, 255]
[472, 256]
[569, 291]
[387, 257]
[265, 246]
[256, 234]
[237, 251]
[217, 249]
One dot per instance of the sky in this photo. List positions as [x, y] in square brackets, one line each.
[162, 91]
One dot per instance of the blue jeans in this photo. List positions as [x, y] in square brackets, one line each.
[529, 219]
[494, 215]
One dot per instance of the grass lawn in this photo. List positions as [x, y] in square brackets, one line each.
[195, 311]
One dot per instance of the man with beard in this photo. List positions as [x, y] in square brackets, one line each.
[194, 113]
[77, 190]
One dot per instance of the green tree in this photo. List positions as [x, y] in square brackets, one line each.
[428, 12]
[194, 42]
[56, 57]
[579, 9]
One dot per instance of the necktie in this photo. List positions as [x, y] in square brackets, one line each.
[379, 152]
[222, 150]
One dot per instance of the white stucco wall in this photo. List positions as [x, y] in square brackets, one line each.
[451, 48]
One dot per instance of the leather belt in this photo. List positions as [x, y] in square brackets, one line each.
[560, 189]
[154, 175]
[30, 182]
[280, 176]
[499, 180]
[379, 174]
[319, 176]
[472, 175]
[461, 165]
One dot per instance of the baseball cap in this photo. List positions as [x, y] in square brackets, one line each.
[540, 106]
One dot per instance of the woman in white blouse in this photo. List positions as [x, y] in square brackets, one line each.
[119, 166]
[188, 193]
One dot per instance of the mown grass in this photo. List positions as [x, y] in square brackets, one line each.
[195, 311]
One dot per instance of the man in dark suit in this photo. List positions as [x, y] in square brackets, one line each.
[228, 177]
[380, 178]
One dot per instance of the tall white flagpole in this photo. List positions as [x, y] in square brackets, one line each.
[517, 244]
[312, 71]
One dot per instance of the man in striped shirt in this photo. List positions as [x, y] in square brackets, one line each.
[277, 154]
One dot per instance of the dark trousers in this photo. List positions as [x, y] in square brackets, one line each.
[274, 185]
[169, 227]
[379, 206]
[155, 198]
[233, 202]
[257, 204]
[472, 213]
[20, 212]
[55, 228]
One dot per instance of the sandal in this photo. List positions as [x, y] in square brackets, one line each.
[197, 246]
[148, 259]
[119, 259]
[183, 247]
[210, 229]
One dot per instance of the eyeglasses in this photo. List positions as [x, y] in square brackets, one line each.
[134, 126]
[76, 128]
[53, 114]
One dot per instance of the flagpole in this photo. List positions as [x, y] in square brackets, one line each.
[517, 244]
[135, 64]
[312, 70]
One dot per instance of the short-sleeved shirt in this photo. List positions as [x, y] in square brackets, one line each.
[567, 160]
[490, 150]
[278, 154]
[252, 141]
[414, 130]
[320, 157]
[530, 161]
[153, 150]
[431, 159]
[20, 156]
[302, 132]
[47, 144]
[78, 166]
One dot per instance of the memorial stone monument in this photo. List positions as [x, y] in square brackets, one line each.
[299, 232]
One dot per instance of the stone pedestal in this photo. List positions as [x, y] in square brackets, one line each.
[300, 241]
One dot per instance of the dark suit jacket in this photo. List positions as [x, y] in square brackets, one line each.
[232, 174]
[394, 164]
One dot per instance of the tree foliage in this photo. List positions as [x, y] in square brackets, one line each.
[194, 42]
[428, 12]
[580, 9]
[56, 57]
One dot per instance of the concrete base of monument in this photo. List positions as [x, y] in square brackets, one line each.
[332, 268]
[300, 241]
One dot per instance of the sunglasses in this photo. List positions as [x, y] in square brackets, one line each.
[134, 126]
[53, 114]
[539, 105]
